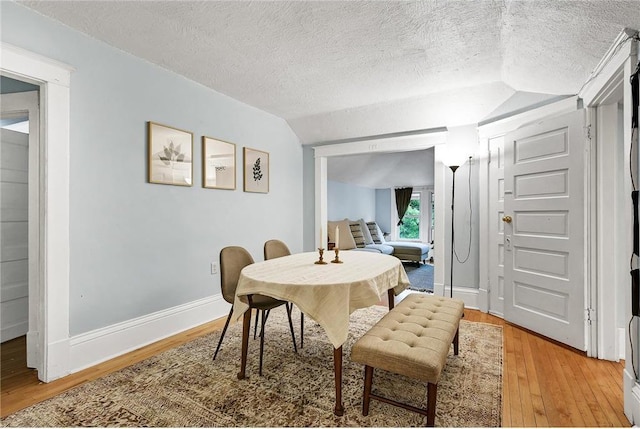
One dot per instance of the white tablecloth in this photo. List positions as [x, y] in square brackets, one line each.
[326, 293]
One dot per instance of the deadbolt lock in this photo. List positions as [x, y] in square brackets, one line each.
[507, 219]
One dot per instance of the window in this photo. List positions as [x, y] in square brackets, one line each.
[417, 223]
[410, 228]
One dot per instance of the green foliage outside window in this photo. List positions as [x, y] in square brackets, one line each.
[410, 228]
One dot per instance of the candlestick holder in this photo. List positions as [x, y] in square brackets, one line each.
[337, 259]
[320, 261]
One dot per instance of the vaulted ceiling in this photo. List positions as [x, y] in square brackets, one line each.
[347, 69]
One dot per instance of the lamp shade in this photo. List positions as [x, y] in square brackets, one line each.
[452, 157]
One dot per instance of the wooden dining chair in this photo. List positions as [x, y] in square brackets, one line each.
[277, 249]
[232, 260]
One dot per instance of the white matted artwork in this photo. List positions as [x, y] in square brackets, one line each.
[256, 170]
[218, 164]
[170, 155]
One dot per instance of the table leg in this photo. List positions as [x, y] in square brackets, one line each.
[337, 369]
[391, 295]
[246, 323]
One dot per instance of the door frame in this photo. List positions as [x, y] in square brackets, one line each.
[380, 144]
[54, 79]
[613, 74]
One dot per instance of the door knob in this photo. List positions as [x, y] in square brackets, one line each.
[507, 219]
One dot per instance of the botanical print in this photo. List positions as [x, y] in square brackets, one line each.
[256, 171]
[219, 164]
[170, 155]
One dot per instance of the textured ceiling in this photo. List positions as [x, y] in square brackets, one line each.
[347, 69]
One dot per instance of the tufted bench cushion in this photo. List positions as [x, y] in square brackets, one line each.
[413, 339]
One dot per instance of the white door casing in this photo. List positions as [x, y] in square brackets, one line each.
[53, 306]
[496, 226]
[544, 243]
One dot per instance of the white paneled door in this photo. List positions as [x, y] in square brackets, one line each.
[543, 223]
[14, 234]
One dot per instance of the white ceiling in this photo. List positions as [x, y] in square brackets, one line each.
[377, 171]
[337, 70]
[347, 69]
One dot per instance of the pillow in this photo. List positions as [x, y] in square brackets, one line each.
[357, 234]
[365, 232]
[346, 239]
[376, 233]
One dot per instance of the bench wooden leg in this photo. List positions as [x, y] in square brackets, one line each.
[432, 390]
[366, 397]
[456, 342]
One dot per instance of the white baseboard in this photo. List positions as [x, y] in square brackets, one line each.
[470, 296]
[102, 344]
[14, 331]
[622, 342]
[631, 397]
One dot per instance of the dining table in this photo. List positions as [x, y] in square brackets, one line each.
[326, 292]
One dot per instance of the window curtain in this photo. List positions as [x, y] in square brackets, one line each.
[403, 198]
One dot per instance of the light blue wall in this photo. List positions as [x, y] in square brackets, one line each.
[138, 248]
[350, 201]
[467, 225]
[383, 209]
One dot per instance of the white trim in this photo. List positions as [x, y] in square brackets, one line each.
[631, 397]
[621, 340]
[483, 222]
[32, 67]
[503, 126]
[53, 309]
[609, 242]
[470, 296]
[321, 201]
[604, 79]
[15, 330]
[381, 145]
[106, 343]
[386, 145]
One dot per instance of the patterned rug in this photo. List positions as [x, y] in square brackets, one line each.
[420, 276]
[184, 387]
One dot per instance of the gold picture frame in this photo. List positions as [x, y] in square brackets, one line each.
[218, 164]
[170, 155]
[256, 170]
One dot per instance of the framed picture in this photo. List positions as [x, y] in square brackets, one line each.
[170, 155]
[256, 170]
[218, 164]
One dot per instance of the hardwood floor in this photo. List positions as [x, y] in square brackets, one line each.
[544, 383]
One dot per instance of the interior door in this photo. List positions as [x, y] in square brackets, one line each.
[496, 226]
[544, 231]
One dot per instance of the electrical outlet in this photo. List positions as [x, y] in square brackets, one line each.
[214, 268]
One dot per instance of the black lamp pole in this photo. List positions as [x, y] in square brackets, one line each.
[453, 194]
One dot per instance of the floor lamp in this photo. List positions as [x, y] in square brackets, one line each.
[453, 194]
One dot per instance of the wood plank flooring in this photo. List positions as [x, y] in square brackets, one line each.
[544, 384]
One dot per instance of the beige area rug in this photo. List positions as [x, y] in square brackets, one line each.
[184, 387]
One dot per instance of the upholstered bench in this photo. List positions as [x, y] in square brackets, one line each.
[413, 340]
